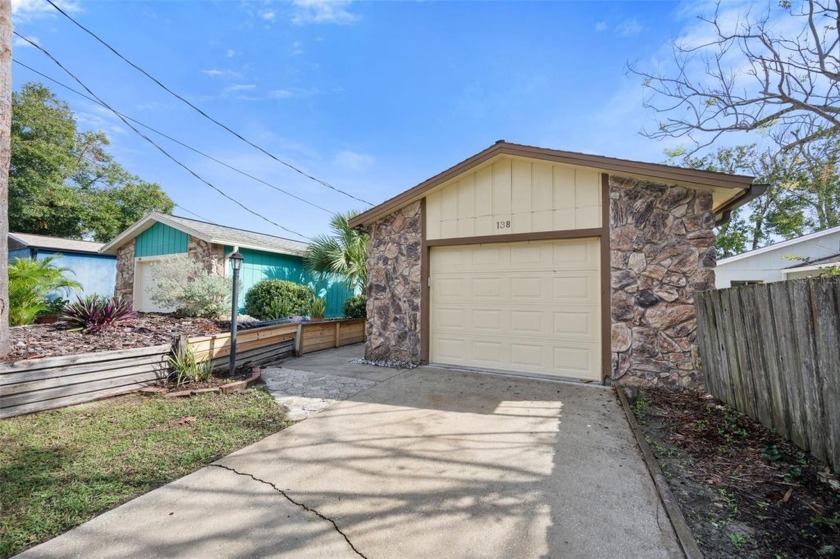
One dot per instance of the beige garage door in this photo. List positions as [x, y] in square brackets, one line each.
[143, 280]
[530, 306]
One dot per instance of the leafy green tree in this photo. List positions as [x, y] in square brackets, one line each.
[30, 283]
[63, 182]
[343, 253]
[783, 210]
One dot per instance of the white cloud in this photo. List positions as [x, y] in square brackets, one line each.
[231, 53]
[25, 10]
[629, 28]
[241, 87]
[353, 161]
[601, 26]
[297, 48]
[268, 15]
[17, 42]
[217, 73]
[322, 11]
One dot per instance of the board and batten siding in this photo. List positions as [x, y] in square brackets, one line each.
[515, 196]
[258, 266]
[159, 240]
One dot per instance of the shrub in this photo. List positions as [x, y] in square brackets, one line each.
[93, 314]
[356, 307]
[261, 298]
[318, 308]
[30, 282]
[184, 284]
[186, 368]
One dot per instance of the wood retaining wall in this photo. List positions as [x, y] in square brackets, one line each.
[54, 382]
[773, 352]
[315, 336]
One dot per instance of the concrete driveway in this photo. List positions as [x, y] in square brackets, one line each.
[424, 463]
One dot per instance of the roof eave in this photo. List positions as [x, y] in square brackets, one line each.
[612, 165]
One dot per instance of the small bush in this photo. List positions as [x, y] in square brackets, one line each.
[184, 284]
[94, 314]
[318, 308]
[356, 307]
[261, 298]
[186, 368]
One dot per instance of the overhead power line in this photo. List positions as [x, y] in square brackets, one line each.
[200, 111]
[155, 144]
[179, 142]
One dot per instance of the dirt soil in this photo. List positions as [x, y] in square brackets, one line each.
[146, 329]
[744, 491]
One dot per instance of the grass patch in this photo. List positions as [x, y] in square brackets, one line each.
[61, 468]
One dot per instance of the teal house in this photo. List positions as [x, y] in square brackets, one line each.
[159, 236]
[84, 263]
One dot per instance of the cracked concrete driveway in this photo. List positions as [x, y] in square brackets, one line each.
[424, 463]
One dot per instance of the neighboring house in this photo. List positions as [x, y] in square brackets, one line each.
[548, 262]
[795, 258]
[95, 272]
[158, 236]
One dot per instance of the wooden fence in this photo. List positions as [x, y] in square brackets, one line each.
[54, 382]
[315, 336]
[773, 352]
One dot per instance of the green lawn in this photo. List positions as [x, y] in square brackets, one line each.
[59, 469]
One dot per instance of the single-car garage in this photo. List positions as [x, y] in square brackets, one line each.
[547, 262]
[531, 306]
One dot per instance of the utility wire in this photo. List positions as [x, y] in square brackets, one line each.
[191, 213]
[145, 137]
[200, 111]
[180, 143]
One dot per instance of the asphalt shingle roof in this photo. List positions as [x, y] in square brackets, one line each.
[56, 243]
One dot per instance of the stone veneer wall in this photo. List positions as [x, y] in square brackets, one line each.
[211, 256]
[662, 248]
[393, 289]
[124, 286]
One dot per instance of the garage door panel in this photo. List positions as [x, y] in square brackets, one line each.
[530, 307]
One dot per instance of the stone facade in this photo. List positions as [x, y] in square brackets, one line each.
[393, 289]
[662, 248]
[211, 257]
[125, 272]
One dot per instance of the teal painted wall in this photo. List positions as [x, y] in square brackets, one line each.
[259, 266]
[160, 239]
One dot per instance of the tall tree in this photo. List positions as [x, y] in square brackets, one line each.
[5, 155]
[343, 253]
[784, 211]
[64, 182]
[775, 72]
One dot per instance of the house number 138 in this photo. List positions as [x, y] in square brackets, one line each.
[503, 225]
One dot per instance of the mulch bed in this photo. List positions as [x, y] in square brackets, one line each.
[146, 329]
[744, 491]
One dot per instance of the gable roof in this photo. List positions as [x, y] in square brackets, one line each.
[776, 246]
[742, 187]
[55, 243]
[211, 233]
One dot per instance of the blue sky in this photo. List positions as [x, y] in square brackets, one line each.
[372, 97]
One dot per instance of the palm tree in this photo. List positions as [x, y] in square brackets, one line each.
[343, 253]
[30, 284]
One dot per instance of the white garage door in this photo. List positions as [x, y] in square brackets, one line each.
[530, 306]
[142, 281]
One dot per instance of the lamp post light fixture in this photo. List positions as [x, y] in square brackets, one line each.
[235, 263]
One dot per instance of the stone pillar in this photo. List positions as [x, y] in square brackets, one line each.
[124, 286]
[210, 256]
[662, 249]
[393, 289]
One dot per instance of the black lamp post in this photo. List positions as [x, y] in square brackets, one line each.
[235, 263]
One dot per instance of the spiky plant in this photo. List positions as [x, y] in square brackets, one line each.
[343, 253]
[30, 282]
[94, 314]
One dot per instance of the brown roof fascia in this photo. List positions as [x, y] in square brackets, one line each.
[753, 192]
[653, 170]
